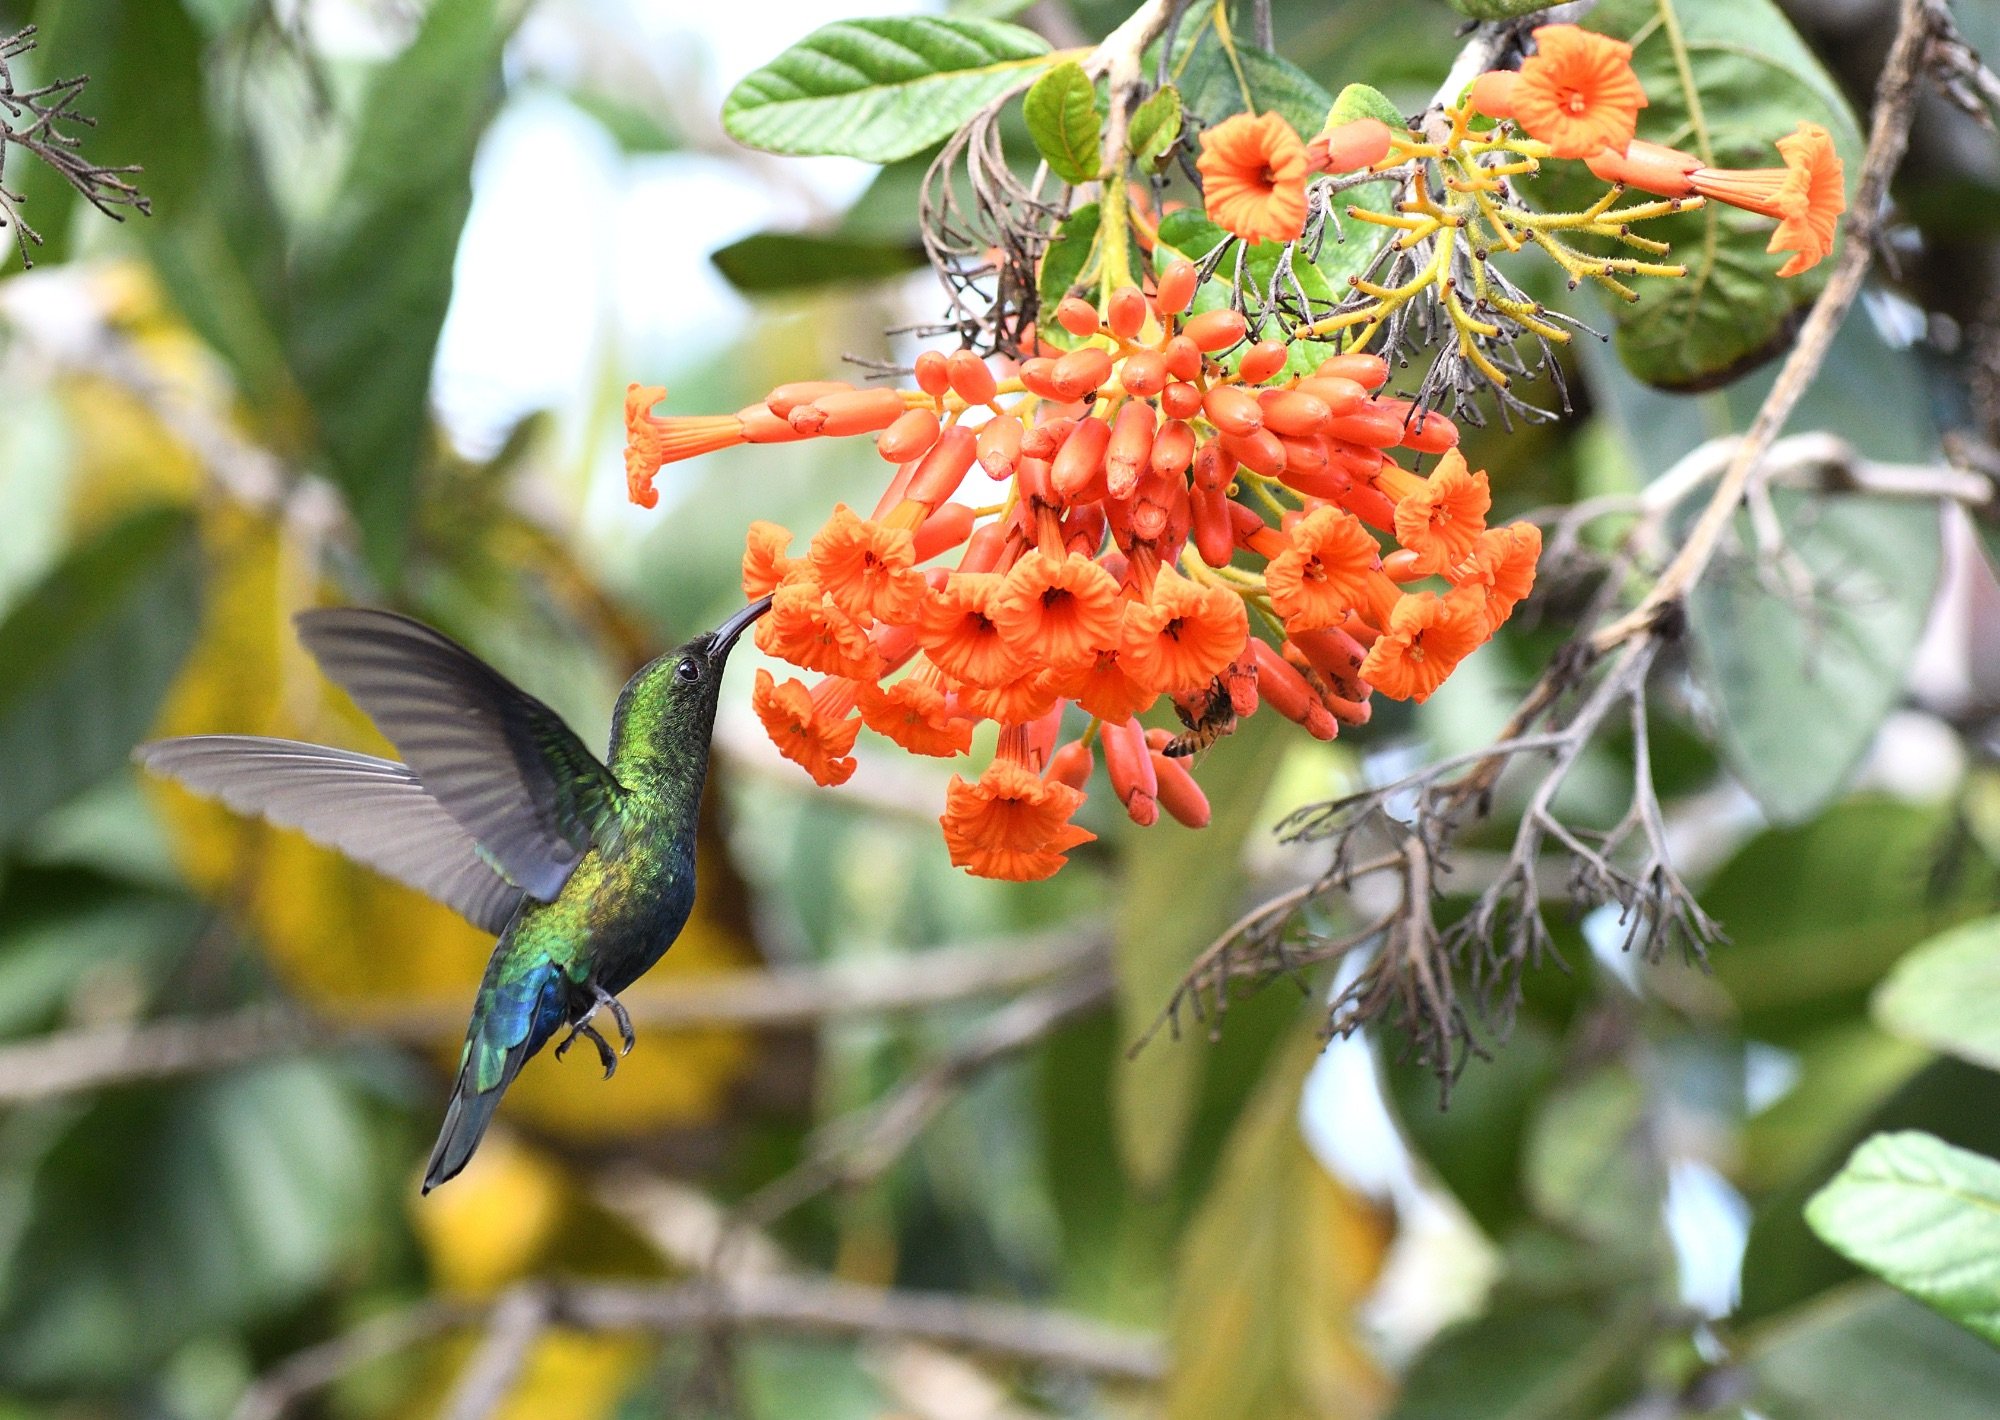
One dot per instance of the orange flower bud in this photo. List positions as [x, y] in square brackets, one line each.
[1336, 656]
[1374, 424]
[1131, 768]
[1081, 372]
[1326, 481]
[1340, 396]
[1360, 143]
[1214, 536]
[943, 530]
[1080, 461]
[944, 467]
[1427, 433]
[970, 377]
[1042, 441]
[1075, 315]
[914, 431]
[1038, 377]
[1179, 794]
[1369, 371]
[1180, 400]
[1215, 330]
[1262, 360]
[998, 445]
[1072, 764]
[1125, 312]
[933, 375]
[1129, 453]
[1183, 358]
[1173, 448]
[1305, 458]
[1214, 466]
[848, 412]
[1285, 690]
[983, 551]
[1233, 410]
[1493, 93]
[1294, 415]
[1261, 451]
[785, 398]
[1144, 373]
[1176, 288]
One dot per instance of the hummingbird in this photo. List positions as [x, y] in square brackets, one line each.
[583, 868]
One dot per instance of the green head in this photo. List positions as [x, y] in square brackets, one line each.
[666, 713]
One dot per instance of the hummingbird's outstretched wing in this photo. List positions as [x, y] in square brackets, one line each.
[374, 811]
[500, 761]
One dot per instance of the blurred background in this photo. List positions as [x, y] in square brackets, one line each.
[371, 346]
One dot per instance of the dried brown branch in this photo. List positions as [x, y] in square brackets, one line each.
[42, 123]
[795, 1305]
[71, 1062]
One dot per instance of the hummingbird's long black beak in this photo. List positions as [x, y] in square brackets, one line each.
[725, 635]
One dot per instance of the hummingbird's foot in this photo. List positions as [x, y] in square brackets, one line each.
[605, 1057]
[618, 1014]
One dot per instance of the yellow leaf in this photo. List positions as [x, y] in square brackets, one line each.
[1271, 1273]
[496, 1221]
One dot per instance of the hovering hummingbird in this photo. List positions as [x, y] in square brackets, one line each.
[585, 870]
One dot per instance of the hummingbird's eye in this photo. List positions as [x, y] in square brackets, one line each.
[688, 670]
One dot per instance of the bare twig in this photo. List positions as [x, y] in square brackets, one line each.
[73, 1061]
[796, 1305]
[41, 123]
[516, 1322]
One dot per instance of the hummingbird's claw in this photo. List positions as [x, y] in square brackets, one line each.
[626, 1038]
[585, 1028]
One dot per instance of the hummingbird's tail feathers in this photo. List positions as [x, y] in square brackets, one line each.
[465, 1121]
[500, 761]
[520, 1005]
[374, 811]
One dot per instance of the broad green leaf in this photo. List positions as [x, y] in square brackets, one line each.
[1156, 125]
[635, 127]
[1865, 1353]
[1946, 994]
[87, 656]
[880, 89]
[1213, 87]
[1181, 887]
[67, 932]
[1846, 1071]
[1590, 1167]
[1272, 1273]
[1803, 652]
[1724, 81]
[1063, 120]
[790, 261]
[1498, 9]
[144, 59]
[1064, 263]
[1360, 101]
[161, 1216]
[1531, 1358]
[372, 285]
[1925, 1216]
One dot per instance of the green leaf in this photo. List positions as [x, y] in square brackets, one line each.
[1867, 1353]
[1273, 1271]
[791, 261]
[1925, 1216]
[1064, 262]
[1181, 887]
[1063, 120]
[1946, 994]
[161, 1216]
[1725, 81]
[87, 656]
[144, 59]
[1535, 1359]
[635, 127]
[1590, 1166]
[1212, 88]
[1360, 101]
[1498, 9]
[1156, 125]
[372, 286]
[880, 89]
[1803, 675]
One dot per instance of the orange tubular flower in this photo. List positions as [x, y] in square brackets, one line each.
[914, 713]
[1441, 521]
[958, 632]
[1104, 689]
[1183, 636]
[804, 628]
[651, 441]
[868, 568]
[1058, 611]
[1502, 567]
[1253, 177]
[1028, 696]
[1577, 92]
[1331, 567]
[1011, 823]
[1807, 195]
[1427, 636]
[765, 566]
[813, 728]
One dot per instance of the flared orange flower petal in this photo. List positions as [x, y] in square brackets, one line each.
[1427, 636]
[1813, 197]
[1011, 823]
[1253, 177]
[1441, 521]
[1058, 611]
[1502, 568]
[1331, 567]
[815, 736]
[765, 566]
[1028, 696]
[1184, 635]
[803, 627]
[1577, 92]
[868, 568]
[915, 713]
[1104, 689]
[957, 631]
[652, 441]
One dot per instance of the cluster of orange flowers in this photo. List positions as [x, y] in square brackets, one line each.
[1107, 577]
[1575, 97]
